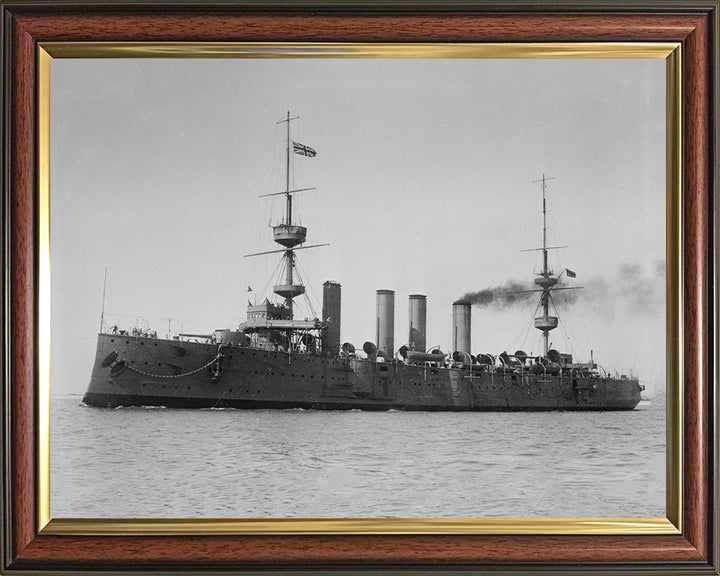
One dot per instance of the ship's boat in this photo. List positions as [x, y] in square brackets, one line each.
[275, 360]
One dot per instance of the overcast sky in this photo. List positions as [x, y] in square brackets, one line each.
[425, 176]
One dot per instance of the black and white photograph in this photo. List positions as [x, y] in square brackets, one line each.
[358, 288]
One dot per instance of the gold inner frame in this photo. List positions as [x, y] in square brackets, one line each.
[671, 52]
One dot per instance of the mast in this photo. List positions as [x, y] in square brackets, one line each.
[288, 204]
[545, 259]
[289, 259]
[545, 323]
[547, 281]
[545, 272]
[288, 234]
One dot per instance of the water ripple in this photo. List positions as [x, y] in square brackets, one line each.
[150, 462]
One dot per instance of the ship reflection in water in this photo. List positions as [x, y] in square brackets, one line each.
[154, 463]
[277, 360]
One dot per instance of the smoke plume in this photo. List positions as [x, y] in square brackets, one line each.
[642, 288]
[635, 288]
[502, 296]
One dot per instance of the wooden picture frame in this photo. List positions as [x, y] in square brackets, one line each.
[30, 547]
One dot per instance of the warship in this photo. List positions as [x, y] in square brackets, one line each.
[274, 360]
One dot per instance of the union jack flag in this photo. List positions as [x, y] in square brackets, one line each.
[303, 150]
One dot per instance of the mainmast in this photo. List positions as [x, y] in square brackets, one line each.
[545, 323]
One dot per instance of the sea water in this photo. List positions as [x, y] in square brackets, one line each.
[226, 463]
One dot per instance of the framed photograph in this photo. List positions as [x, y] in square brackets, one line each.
[359, 286]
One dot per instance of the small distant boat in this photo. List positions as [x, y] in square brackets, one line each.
[275, 360]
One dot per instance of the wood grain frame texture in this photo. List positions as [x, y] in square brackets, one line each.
[693, 23]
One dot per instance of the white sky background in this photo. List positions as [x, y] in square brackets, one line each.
[424, 178]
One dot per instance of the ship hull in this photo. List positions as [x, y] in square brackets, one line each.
[133, 371]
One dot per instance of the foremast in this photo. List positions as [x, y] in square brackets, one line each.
[289, 234]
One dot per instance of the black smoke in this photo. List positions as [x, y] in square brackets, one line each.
[507, 294]
[634, 288]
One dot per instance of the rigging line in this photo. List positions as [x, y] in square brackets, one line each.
[236, 206]
[307, 266]
[281, 271]
[275, 166]
[280, 143]
[568, 336]
[531, 322]
[529, 325]
[507, 336]
[581, 345]
[305, 294]
[301, 275]
[519, 339]
[538, 335]
[523, 329]
[561, 326]
[271, 276]
[573, 343]
[569, 321]
[211, 230]
[516, 336]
